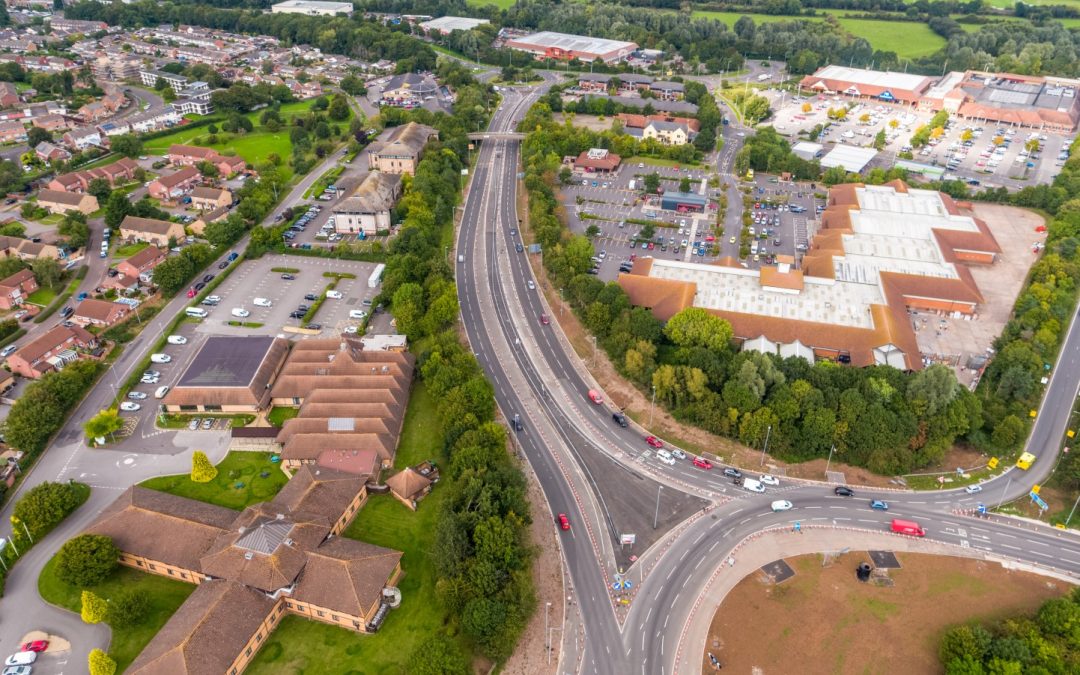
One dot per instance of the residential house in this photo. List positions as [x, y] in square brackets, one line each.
[156, 232]
[154, 120]
[59, 201]
[188, 155]
[208, 198]
[9, 95]
[368, 209]
[51, 122]
[150, 78]
[51, 351]
[82, 138]
[14, 289]
[119, 172]
[12, 131]
[175, 185]
[399, 149]
[667, 91]
[48, 152]
[142, 263]
[668, 133]
[193, 106]
[115, 127]
[24, 249]
[101, 313]
[198, 226]
[93, 112]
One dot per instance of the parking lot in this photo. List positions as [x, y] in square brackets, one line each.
[992, 154]
[607, 202]
[256, 279]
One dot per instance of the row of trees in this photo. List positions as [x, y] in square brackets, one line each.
[876, 417]
[45, 404]
[1048, 642]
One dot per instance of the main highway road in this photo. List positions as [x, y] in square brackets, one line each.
[607, 480]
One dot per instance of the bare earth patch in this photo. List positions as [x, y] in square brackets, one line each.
[823, 620]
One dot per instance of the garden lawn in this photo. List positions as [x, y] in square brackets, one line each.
[279, 414]
[654, 161]
[130, 249]
[301, 646]
[42, 296]
[166, 595]
[239, 482]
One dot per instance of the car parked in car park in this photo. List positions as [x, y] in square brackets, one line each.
[160, 358]
[176, 340]
[193, 425]
[35, 646]
[130, 406]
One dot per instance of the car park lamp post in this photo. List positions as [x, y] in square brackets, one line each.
[547, 632]
[831, 450]
[766, 446]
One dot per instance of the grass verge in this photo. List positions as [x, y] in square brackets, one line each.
[279, 414]
[244, 478]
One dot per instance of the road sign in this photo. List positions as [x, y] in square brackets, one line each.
[1070, 433]
[627, 584]
[627, 539]
[464, 172]
[981, 508]
[1035, 489]
[1038, 500]
[992, 463]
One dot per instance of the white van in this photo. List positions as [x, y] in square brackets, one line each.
[665, 457]
[161, 391]
[197, 312]
[263, 302]
[240, 312]
[752, 485]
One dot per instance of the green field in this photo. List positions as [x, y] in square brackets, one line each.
[254, 146]
[501, 4]
[166, 595]
[240, 482]
[304, 647]
[906, 38]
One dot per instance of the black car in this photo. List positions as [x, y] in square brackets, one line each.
[223, 265]
[208, 278]
[314, 326]
[519, 247]
[844, 491]
[199, 286]
[302, 308]
[288, 277]
[113, 272]
[620, 419]
[297, 315]
[66, 312]
[311, 296]
[733, 473]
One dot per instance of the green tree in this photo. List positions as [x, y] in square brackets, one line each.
[45, 505]
[339, 109]
[652, 182]
[101, 188]
[1008, 432]
[75, 228]
[684, 184]
[37, 135]
[104, 424]
[696, 327]
[930, 390]
[116, 209]
[101, 663]
[353, 85]
[86, 560]
[968, 641]
[128, 607]
[94, 607]
[172, 274]
[438, 655]
[47, 271]
[202, 471]
[126, 145]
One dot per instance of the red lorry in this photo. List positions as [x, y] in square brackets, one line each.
[907, 527]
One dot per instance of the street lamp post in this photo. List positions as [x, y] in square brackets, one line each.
[1072, 511]
[547, 632]
[656, 516]
[652, 406]
[1007, 483]
[831, 449]
[766, 446]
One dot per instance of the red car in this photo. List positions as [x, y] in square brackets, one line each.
[702, 463]
[564, 522]
[36, 646]
[654, 441]
[544, 319]
[595, 397]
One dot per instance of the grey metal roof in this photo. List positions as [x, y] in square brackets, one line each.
[340, 424]
[227, 362]
[265, 535]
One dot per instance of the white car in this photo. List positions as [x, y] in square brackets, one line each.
[335, 295]
[160, 358]
[262, 302]
[240, 312]
[769, 480]
[349, 330]
[136, 395]
[130, 406]
[357, 314]
[972, 489]
[177, 340]
[665, 457]
[21, 659]
[781, 505]
[149, 380]
[678, 454]
[532, 286]
[8, 351]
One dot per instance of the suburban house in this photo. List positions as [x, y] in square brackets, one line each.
[668, 133]
[141, 263]
[198, 226]
[24, 249]
[9, 95]
[175, 185]
[48, 152]
[368, 209]
[51, 122]
[51, 351]
[251, 567]
[398, 150]
[12, 131]
[119, 172]
[152, 230]
[150, 78]
[14, 289]
[83, 138]
[208, 198]
[189, 155]
[152, 120]
[94, 111]
[91, 312]
[597, 160]
[57, 201]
